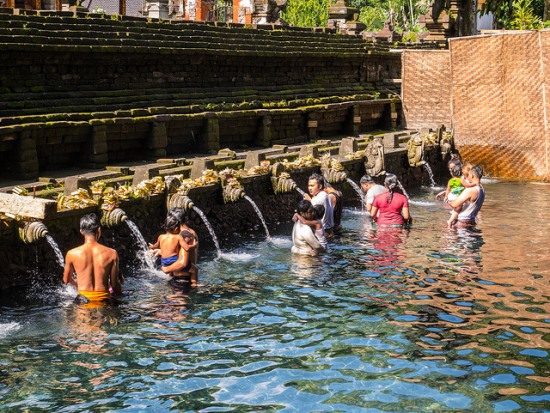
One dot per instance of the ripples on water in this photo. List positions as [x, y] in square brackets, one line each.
[426, 320]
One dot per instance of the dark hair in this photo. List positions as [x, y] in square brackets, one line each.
[303, 206]
[89, 224]
[319, 178]
[478, 171]
[171, 223]
[366, 179]
[186, 234]
[391, 183]
[454, 161]
[178, 213]
[318, 211]
[456, 170]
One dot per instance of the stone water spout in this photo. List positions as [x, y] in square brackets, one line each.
[232, 190]
[281, 181]
[446, 144]
[333, 171]
[179, 201]
[113, 218]
[415, 151]
[374, 162]
[33, 232]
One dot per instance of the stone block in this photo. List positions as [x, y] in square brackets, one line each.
[309, 150]
[253, 159]
[199, 165]
[142, 173]
[391, 140]
[73, 183]
[348, 145]
[26, 206]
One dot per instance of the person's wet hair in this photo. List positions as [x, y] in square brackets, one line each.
[89, 224]
[171, 223]
[453, 162]
[186, 234]
[178, 213]
[303, 206]
[319, 179]
[391, 183]
[456, 171]
[318, 211]
[477, 171]
[366, 179]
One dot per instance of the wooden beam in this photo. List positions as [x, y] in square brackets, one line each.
[122, 7]
[28, 207]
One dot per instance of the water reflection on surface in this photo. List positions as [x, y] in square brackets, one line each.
[392, 320]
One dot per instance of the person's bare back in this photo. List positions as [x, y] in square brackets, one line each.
[96, 265]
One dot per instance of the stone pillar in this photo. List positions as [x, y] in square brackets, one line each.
[156, 9]
[263, 137]
[158, 140]
[312, 125]
[98, 154]
[354, 120]
[23, 162]
[211, 134]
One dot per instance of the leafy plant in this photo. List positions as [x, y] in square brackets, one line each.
[523, 17]
[307, 13]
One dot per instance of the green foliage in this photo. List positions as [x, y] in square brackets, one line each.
[523, 17]
[307, 13]
[516, 14]
[374, 13]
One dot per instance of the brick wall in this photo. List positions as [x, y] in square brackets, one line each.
[498, 103]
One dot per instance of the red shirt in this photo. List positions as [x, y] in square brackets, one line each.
[390, 213]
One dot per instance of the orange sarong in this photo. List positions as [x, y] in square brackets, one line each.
[95, 295]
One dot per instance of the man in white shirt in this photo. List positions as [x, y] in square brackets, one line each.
[372, 189]
[318, 196]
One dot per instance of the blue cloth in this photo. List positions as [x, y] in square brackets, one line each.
[165, 262]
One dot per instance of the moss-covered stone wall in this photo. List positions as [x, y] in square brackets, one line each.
[89, 90]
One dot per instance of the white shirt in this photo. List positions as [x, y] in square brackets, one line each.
[322, 198]
[304, 240]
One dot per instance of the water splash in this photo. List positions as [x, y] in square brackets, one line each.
[145, 256]
[428, 169]
[7, 329]
[259, 215]
[403, 189]
[58, 253]
[210, 229]
[300, 191]
[357, 190]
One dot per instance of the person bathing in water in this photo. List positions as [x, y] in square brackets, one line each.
[470, 201]
[312, 218]
[456, 185]
[171, 244]
[95, 265]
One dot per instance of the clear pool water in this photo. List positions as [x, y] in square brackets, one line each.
[426, 320]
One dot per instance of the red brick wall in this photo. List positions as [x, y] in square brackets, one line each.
[499, 102]
[426, 88]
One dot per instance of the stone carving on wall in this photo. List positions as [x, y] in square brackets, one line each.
[415, 151]
[274, 9]
[374, 162]
[446, 144]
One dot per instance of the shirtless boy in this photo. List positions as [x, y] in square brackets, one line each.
[96, 265]
[171, 244]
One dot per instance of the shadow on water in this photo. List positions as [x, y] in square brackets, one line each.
[419, 320]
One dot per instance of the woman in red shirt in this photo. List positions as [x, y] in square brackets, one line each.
[390, 208]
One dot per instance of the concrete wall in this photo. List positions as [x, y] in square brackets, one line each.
[498, 94]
